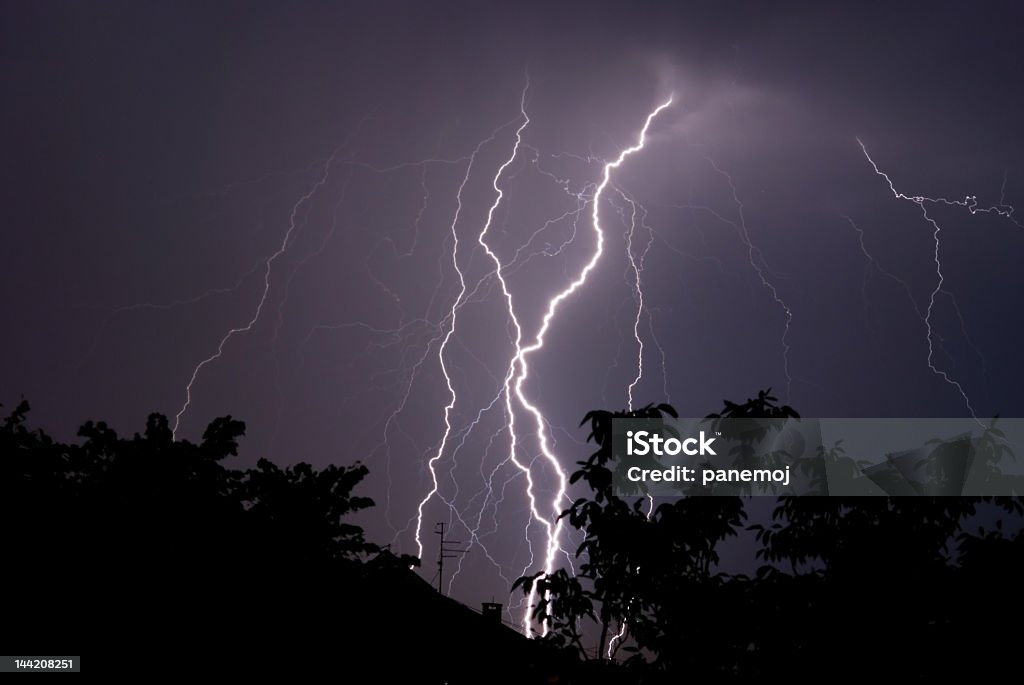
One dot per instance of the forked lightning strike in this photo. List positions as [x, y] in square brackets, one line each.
[268, 265]
[452, 316]
[554, 525]
[518, 368]
[970, 203]
[512, 389]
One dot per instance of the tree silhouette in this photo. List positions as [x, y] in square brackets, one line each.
[639, 571]
[146, 533]
[873, 583]
[151, 540]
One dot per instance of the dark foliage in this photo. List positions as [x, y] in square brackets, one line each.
[147, 543]
[889, 587]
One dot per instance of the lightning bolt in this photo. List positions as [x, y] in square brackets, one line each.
[267, 267]
[452, 316]
[754, 255]
[757, 262]
[637, 268]
[616, 638]
[872, 263]
[446, 332]
[970, 203]
[511, 394]
[509, 410]
[512, 388]
[502, 271]
[638, 292]
[553, 526]
[637, 265]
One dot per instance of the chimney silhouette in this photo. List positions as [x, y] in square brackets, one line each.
[491, 611]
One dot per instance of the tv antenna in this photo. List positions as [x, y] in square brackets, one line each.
[445, 552]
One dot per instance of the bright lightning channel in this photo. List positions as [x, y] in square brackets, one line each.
[452, 316]
[554, 526]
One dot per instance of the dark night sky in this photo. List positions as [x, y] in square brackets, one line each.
[154, 153]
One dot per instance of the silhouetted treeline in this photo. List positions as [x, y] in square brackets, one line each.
[147, 543]
[152, 555]
[869, 586]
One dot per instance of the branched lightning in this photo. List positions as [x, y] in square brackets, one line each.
[554, 524]
[442, 333]
[637, 264]
[453, 314]
[512, 389]
[758, 264]
[529, 456]
[970, 203]
[268, 265]
[510, 413]
[872, 263]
